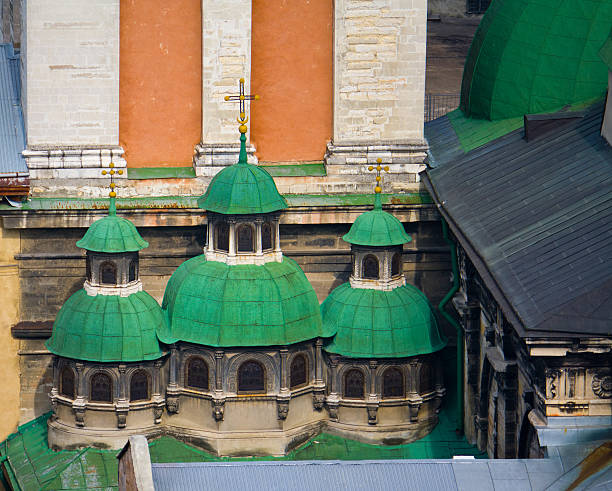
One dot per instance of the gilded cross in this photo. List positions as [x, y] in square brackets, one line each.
[241, 97]
[378, 169]
[112, 173]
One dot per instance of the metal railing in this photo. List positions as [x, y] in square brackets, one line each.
[437, 105]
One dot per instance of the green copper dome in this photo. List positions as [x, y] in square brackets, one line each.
[108, 328]
[380, 324]
[112, 234]
[213, 304]
[377, 228]
[242, 189]
[534, 56]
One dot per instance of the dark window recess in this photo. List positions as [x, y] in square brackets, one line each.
[101, 388]
[354, 384]
[298, 371]
[266, 236]
[395, 264]
[427, 379]
[197, 373]
[370, 267]
[108, 273]
[132, 270]
[139, 386]
[245, 238]
[393, 383]
[222, 230]
[476, 6]
[67, 383]
[88, 268]
[251, 377]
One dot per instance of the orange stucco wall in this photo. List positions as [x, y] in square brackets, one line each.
[160, 84]
[292, 70]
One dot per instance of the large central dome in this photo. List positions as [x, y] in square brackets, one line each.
[213, 304]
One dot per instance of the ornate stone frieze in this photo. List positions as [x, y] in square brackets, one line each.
[602, 384]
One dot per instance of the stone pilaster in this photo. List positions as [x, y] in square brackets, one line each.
[226, 57]
[379, 83]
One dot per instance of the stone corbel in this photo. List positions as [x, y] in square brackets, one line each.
[282, 406]
[218, 408]
[333, 402]
[318, 398]
[372, 408]
[414, 407]
[158, 410]
[172, 404]
[78, 408]
[121, 410]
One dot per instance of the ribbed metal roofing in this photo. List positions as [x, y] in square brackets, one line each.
[12, 133]
[535, 219]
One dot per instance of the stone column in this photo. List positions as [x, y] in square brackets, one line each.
[415, 400]
[258, 246]
[210, 234]
[122, 406]
[218, 400]
[277, 247]
[282, 400]
[319, 383]
[226, 57]
[372, 402]
[219, 354]
[157, 397]
[379, 85]
[232, 238]
[333, 400]
[78, 405]
[172, 391]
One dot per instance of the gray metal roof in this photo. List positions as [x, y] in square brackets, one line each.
[417, 475]
[536, 219]
[12, 133]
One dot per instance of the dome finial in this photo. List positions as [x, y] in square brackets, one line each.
[378, 188]
[242, 118]
[112, 207]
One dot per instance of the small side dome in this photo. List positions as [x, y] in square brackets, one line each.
[242, 189]
[377, 228]
[112, 234]
[213, 304]
[108, 328]
[535, 56]
[380, 324]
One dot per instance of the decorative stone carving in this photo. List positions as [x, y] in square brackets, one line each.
[121, 409]
[602, 384]
[372, 413]
[218, 409]
[282, 406]
[552, 375]
[318, 398]
[414, 411]
[157, 414]
[172, 404]
[79, 413]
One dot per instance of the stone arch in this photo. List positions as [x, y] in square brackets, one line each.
[354, 384]
[108, 273]
[370, 267]
[245, 237]
[380, 370]
[309, 360]
[140, 385]
[299, 371]
[529, 443]
[344, 367]
[393, 382]
[89, 372]
[67, 381]
[133, 270]
[101, 387]
[185, 355]
[269, 364]
[196, 372]
[221, 235]
[267, 236]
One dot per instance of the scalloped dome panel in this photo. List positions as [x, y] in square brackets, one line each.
[242, 189]
[112, 234]
[213, 304]
[380, 324]
[377, 228]
[108, 328]
[535, 56]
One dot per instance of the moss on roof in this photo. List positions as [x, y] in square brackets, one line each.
[380, 324]
[213, 304]
[535, 56]
[107, 328]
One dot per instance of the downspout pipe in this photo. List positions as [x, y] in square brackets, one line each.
[454, 289]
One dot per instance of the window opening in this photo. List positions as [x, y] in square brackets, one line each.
[266, 236]
[67, 382]
[393, 383]
[222, 230]
[101, 388]
[427, 380]
[251, 377]
[245, 238]
[370, 267]
[298, 371]
[108, 273]
[354, 384]
[132, 270]
[197, 373]
[395, 264]
[139, 386]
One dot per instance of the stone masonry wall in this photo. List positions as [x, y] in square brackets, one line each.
[379, 70]
[72, 81]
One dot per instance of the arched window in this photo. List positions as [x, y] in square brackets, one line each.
[393, 383]
[370, 267]
[354, 384]
[427, 379]
[101, 388]
[67, 382]
[132, 270]
[197, 373]
[266, 236]
[395, 264]
[298, 372]
[251, 377]
[245, 238]
[139, 386]
[88, 268]
[222, 232]
[108, 273]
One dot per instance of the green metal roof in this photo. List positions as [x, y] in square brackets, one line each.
[606, 51]
[107, 328]
[535, 56]
[380, 324]
[377, 228]
[213, 304]
[112, 234]
[242, 189]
